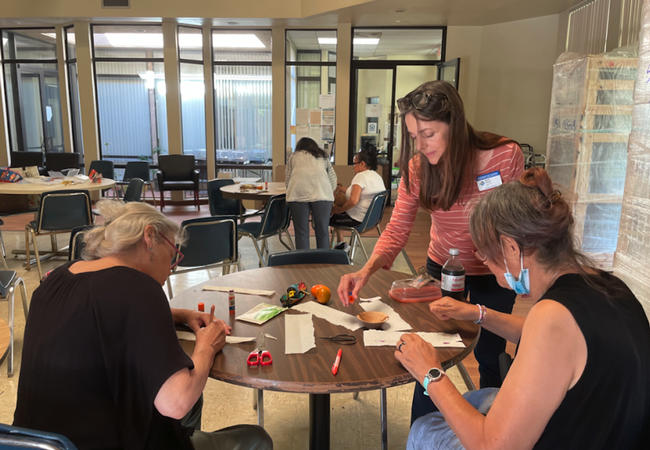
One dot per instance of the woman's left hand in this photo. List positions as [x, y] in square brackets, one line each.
[197, 320]
[336, 209]
[416, 355]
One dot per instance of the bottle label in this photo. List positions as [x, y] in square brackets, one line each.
[453, 283]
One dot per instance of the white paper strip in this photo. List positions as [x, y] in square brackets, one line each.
[394, 322]
[378, 338]
[298, 333]
[189, 336]
[330, 314]
[240, 290]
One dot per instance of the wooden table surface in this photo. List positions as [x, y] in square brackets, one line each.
[22, 188]
[362, 368]
[233, 191]
[5, 336]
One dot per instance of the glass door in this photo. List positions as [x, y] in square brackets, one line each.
[450, 71]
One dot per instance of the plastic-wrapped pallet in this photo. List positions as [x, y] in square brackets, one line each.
[591, 119]
[632, 259]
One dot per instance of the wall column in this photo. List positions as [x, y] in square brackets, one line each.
[87, 100]
[64, 90]
[209, 102]
[278, 75]
[343, 58]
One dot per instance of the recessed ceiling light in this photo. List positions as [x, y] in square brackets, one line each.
[397, 21]
[326, 41]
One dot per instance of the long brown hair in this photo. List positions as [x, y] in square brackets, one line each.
[443, 183]
[310, 146]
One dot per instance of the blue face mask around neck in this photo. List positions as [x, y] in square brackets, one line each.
[522, 285]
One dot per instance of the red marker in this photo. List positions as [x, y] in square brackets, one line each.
[335, 367]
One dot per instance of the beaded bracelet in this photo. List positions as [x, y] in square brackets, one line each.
[481, 314]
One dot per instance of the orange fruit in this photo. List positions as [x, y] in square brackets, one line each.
[322, 293]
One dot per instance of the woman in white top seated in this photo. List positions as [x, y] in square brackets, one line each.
[310, 182]
[365, 185]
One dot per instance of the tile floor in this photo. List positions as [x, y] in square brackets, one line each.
[355, 424]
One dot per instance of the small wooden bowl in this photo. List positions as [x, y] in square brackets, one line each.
[372, 320]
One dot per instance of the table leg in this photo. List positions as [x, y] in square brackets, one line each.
[260, 407]
[319, 421]
[384, 420]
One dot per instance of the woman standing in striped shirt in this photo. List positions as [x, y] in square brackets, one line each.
[446, 167]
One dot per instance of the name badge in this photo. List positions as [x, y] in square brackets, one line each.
[489, 181]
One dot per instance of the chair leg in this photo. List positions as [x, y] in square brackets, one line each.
[363, 247]
[169, 288]
[37, 256]
[162, 200]
[333, 231]
[196, 200]
[259, 254]
[10, 313]
[153, 194]
[4, 253]
[384, 419]
[23, 294]
[288, 247]
[466, 378]
[27, 233]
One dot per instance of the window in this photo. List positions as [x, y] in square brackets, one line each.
[310, 87]
[398, 44]
[32, 89]
[242, 102]
[130, 83]
[75, 108]
[190, 49]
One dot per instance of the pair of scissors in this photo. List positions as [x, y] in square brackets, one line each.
[343, 339]
[260, 356]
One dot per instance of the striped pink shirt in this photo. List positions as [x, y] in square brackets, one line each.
[449, 229]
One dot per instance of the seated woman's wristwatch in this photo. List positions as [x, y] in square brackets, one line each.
[433, 375]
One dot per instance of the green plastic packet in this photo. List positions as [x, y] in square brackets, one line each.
[261, 313]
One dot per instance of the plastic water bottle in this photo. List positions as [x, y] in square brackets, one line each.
[453, 276]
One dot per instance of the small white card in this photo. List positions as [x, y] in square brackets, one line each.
[489, 181]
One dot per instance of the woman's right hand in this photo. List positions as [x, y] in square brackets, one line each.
[352, 283]
[448, 308]
[214, 334]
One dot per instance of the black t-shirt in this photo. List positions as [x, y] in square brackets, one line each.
[98, 347]
[609, 407]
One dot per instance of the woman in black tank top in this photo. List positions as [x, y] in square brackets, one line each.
[580, 376]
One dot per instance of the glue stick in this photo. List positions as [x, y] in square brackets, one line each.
[231, 302]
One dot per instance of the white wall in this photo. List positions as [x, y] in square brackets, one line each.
[465, 43]
[515, 79]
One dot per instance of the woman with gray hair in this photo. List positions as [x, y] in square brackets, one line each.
[580, 376]
[101, 361]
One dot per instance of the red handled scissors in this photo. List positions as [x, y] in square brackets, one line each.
[260, 356]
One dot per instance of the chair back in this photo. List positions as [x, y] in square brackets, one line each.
[63, 210]
[177, 167]
[276, 217]
[210, 240]
[77, 242]
[220, 206]
[134, 191]
[106, 168]
[7, 278]
[309, 256]
[375, 212]
[61, 161]
[137, 169]
[23, 438]
[27, 159]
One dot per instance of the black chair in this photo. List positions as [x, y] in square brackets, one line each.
[138, 169]
[106, 168]
[8, 283]
[14, 438]
[77, 242]
[309, 256]
[275, 221]
[177, 173]
[28, 159]
[211, 242]
[62, 161]
[59, 212]
[372, 219]
[134, 191]
[220, 206]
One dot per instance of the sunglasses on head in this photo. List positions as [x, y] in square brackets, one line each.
[418, 101]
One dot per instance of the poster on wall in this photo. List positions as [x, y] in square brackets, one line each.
[327, 117]
[301, 132]
[314, 132]
[326, 101]
[327, 132]
[314, 117]
[372, 128]
[373, 110]
[302, 116]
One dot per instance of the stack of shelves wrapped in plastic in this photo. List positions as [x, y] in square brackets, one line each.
[590, 122]
[632, 260]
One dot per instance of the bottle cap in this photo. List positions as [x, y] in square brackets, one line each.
[201, 307]
[454, 252]
[231, 291]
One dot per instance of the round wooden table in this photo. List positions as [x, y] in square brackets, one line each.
[362, 368]
[234, 191]
[25, 188]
